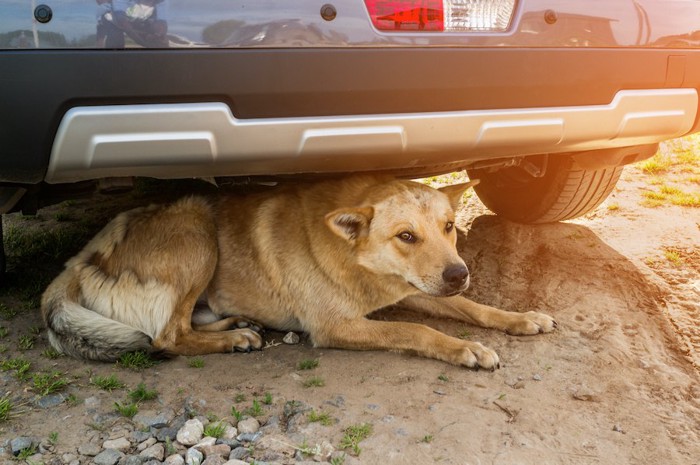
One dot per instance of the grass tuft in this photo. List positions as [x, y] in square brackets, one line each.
[137, 360]
[355, 434]
[107, 383]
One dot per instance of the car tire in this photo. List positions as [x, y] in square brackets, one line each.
[563, 192]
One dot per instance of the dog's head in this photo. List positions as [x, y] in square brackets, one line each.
[406, 230]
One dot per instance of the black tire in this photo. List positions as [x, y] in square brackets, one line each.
[564, 192]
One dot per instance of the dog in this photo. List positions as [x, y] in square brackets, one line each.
[316, 258]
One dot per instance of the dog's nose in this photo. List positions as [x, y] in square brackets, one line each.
[455, 275]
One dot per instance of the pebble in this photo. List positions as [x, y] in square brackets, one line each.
[150, 419]
[89, 449]
[214, 460]
[248, 426]
[50, 401]
[175, 459]
[191, 432]
[618, 429]
[108, 457]
[291, 338]
[20, 443]
[537, 377]
[249, 437]
[146, 444]
[239, 453]
[121, 444]
[193, 457]
[236, 462]
[155, 452]
[218, 449]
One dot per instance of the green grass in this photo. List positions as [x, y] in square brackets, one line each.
[215, 430]
[24, 454]
[126, 410]
[53, 437]
[237, 414]
[25, 342]
[308, 364]
[671, 195]
[267, 399]
[320, 417]
[4, 332]
[107, 383]
[314, 381]
[255, 410]
[240, 397]
[137, 360]
[443, 377]
[657, 164]
[353, 435]
[19, 365]
[141, 393]
[51, 353]
[673, 256]
[7, 313]
[6, 407]
[49, 383]
[196, 362]
[428, 438]
[338, 460]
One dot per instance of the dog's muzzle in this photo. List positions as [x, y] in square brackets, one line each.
[456, 278]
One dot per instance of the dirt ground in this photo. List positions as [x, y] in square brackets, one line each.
[617, 383]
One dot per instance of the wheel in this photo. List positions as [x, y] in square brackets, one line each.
[565, 191]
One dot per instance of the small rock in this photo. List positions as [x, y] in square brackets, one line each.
[50, 401]
[325, 451]
[108, 457]
[175, 459]
[236, 462]
[146, 444]
[249, 425]
[163, 434]
[249, 437]
[239, 453]
[193, 457]
[121, 444]
[585, 394]
[139, 436]
[151, 419]
[69, 458]
[216, 449]
[618, 429]
[155, 452]
[89, 449]
[440, 392]
[232, 443]
[206, 441]
[214, 460]
[291, 338]
[19, 444]
[132, 460]
[230, 432]
[537, 377]
[191, 433]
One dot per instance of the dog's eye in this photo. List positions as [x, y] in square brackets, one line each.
[406, 237]
[449, 226]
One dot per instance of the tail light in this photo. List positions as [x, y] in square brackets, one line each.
[441, 15]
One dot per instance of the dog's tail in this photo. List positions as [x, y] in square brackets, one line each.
[82, 333]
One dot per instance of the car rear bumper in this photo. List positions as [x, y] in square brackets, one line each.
[459, 89]
[205, 139]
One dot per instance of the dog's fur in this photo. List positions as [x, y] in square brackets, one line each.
[316, 258]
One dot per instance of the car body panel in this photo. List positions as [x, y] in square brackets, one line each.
[269, 23]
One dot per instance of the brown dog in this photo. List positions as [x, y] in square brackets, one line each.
[316, 258]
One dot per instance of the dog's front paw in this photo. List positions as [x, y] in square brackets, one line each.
[476, 355]
[245, 340]
[528, 323]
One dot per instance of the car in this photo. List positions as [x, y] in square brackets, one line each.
[543, 100]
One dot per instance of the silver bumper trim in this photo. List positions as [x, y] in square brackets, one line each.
[204, 139]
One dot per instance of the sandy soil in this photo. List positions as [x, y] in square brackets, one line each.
[617, 383]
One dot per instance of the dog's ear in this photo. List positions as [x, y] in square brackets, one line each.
[350, 223]
[456, 191]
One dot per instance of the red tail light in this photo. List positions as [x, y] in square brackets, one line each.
[406, 15]
[441, 15]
